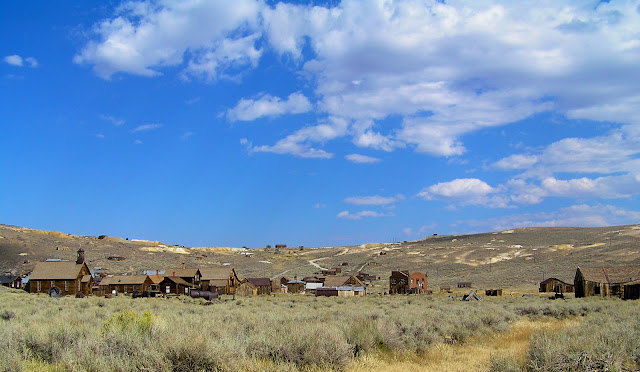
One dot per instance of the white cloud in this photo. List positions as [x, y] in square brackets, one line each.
[362, 214]
[373, 200]
[137, 142]
[146, 127]
[100, 135]
[516, 161]
[465, 191]
[362, 159]
[267, 105]
[144, 37]
[300, 143]
[113, 120]
[424, 229]
[32, 62]
[186, 135]
[16, 60]
[319, 206]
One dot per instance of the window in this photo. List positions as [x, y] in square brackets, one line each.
[168, 289]
[79, 286]
[39, 286]
[66, 286]
[53, 283]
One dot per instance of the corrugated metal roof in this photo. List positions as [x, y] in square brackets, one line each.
[56, 270]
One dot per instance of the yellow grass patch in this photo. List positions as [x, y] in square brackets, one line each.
[474, 355]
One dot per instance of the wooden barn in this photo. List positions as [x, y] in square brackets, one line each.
[632, 290]
[70, 278]
[555, 285]
[605, 281]
[418, 283]
[174, 285]
[399, 282]
[254, 287]
[11, 281]
[464, 284]
[295, 286]
[224, 278]
[127, 284]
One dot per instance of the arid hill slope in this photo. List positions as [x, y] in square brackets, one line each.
[517, 258]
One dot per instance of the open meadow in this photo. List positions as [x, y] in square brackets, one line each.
[302, 333]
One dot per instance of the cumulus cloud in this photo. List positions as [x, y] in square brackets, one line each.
[362, 159]
[373, 200]
[267, 105]
[465, 191]
[16, 60]
[362, 214]
[146, 127]
[143, 38]
[445, 69]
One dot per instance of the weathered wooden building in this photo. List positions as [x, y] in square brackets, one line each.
[464, 284]
[254, 287]
[224, 278]
[632, 290]
[68, 277]
[606, 281]
[127, 284]
[174, 285]
[555, 285]
[295, 286]
[343, 280]
[399, 282]
[193, 276]
[11, 281]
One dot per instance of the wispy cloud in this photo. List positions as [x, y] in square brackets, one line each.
[362, 214]
[373, 200]
[146, 127]
[113, 120]
[186, 135]
[362, 159]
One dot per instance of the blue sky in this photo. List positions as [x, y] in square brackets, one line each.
[252, 123]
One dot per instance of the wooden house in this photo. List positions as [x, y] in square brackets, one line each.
[254, 287]
[11, 281]
[224, 278]
[295, 286]
[555, 285]
[193, 276]
[418, 283]
[174, 285]
[464, 284]
[127, 284]
[605, 281]
[399, 282]
[342, 291]
[68, 277]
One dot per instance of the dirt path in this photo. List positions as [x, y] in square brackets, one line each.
[313, 262]
[474, 355]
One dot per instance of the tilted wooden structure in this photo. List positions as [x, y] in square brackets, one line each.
[611, 281]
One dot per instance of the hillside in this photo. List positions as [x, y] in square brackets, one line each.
[517, 258]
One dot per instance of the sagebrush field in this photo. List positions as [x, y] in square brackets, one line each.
[296, 332]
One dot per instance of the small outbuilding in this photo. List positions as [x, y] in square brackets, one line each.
[555, 285]
[11, 281]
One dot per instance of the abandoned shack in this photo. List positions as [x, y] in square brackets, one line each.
[605, 281]
[342, 291]
[493, 292]
[224, 278]
[555, 285]
[295, 286]
[127, 284]
[254, 287]
[64, 277]
[632, 290]
[464, 284]
[399, 282]
[11, 281]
